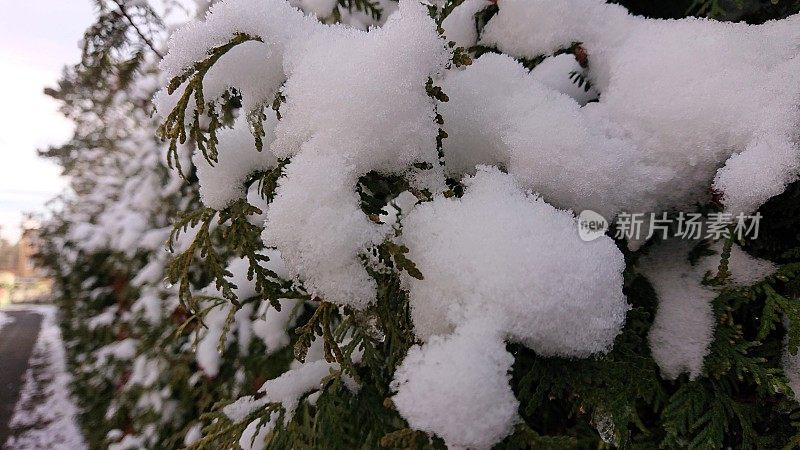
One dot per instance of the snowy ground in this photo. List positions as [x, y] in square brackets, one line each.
[45, 416]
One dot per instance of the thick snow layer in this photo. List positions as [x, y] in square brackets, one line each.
[320, 8]
[498, 113]
[684, 106]
[45, 415]
[275, 22]
[558, 72]
[498, 264]
[252, 68]
[383, 121]
[683, 328]
[457, 387]
[684, 324]
[678, 99]
[506, 255]
[223, 181]
[459, 25]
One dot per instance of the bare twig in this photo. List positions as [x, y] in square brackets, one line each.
[121, 5]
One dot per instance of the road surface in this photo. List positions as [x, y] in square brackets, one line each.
[16, 344]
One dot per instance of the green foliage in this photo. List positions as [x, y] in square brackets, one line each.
[370, 7]
[174, 126]
[742, 399]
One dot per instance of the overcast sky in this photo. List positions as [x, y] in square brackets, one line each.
[37, 38]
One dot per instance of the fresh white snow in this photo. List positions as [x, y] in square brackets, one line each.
[679, 99]
[45, 415]
[684, 107]
[684, 324]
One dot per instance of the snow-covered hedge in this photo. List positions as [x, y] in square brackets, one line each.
[375, 239]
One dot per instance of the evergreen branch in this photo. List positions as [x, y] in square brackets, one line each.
[318, 325]
[174, 127]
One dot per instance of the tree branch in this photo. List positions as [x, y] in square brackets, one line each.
[121, 5]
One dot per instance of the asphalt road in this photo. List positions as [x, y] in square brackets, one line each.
[16, 344]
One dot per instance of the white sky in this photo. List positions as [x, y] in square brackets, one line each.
[37, 38]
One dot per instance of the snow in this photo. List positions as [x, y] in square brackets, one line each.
[499, 114]
[151, 273]
[683, 106]
[145, 372]
[242, 327]
[384, 121]
[498, 264]
[502, 253]
[555, 72]
[254, 198]
[149, 304]
[745, 269]
[256, 433]
[103, 319]
[684, 324]
[679, 99]
[459, 25]
[222, 182]
[45, 414]
[253, 68]
[320, 8]
[249, 67]
[207, 353]
[458, 387]
[272, 326]
[123, 350]
[274, 21]
[194, 434]
[286, 389]
[683, 328]
[128, 442]
[155, 239]
[292, 384]
[327, 68]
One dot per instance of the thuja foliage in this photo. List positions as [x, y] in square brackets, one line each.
[742, 399]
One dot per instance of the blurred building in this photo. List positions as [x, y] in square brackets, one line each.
[27, 247]
[20, 280]
[8, 266]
